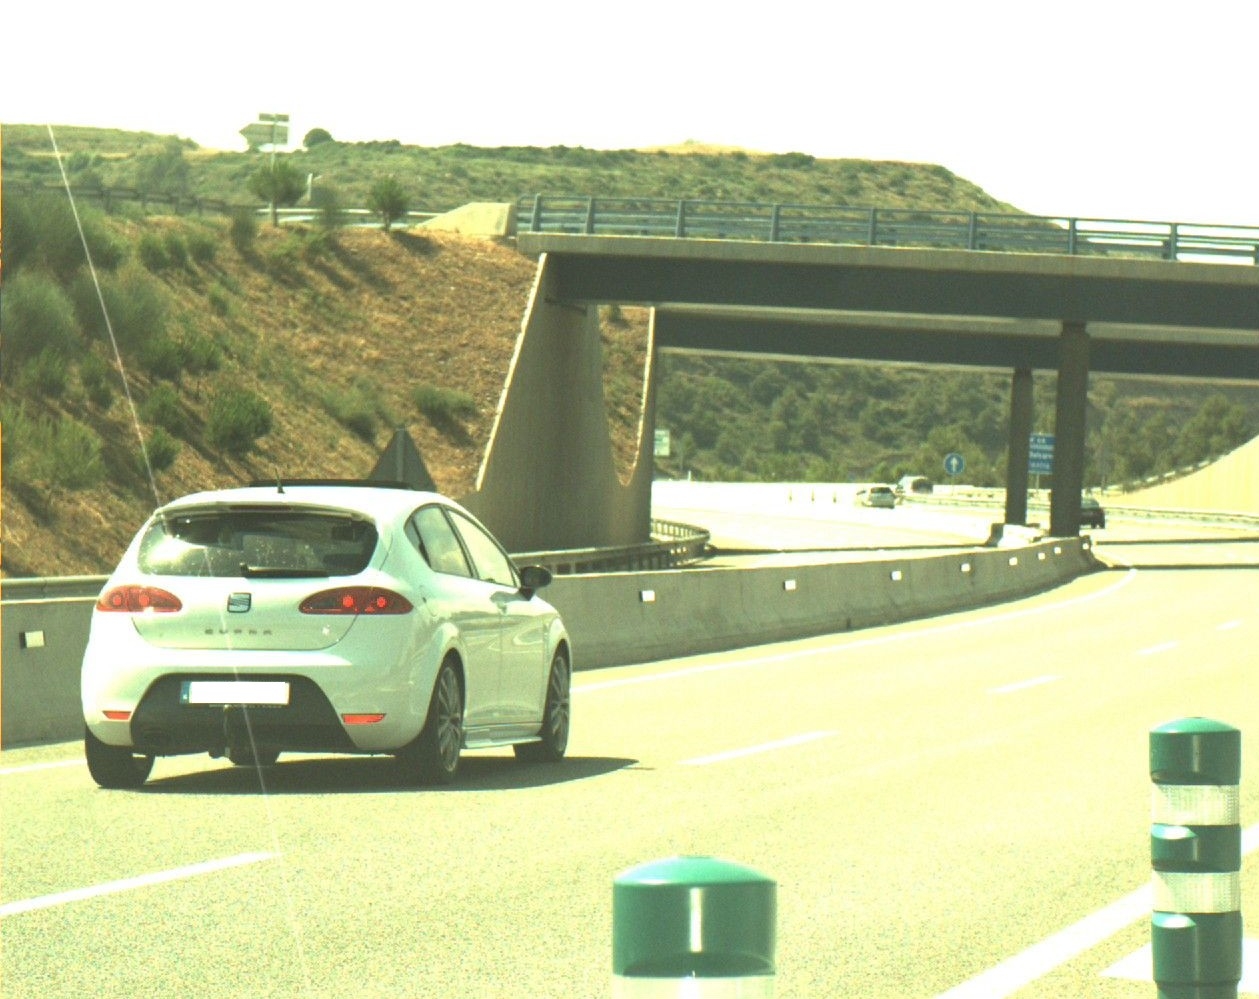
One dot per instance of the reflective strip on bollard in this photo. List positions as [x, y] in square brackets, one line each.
[1195, 853]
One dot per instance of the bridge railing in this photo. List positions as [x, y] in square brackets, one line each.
[845, 225]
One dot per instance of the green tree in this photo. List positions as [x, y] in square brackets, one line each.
[387, 199]
[278, 183]
[316, 137]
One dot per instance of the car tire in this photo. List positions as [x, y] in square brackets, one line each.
[115, 767]
[433, 757]
[556, 716]
[243, 756]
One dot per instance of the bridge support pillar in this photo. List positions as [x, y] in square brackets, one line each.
[1069, 421]
[1016, 473]
[549, 480]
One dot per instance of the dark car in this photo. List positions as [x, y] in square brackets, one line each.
[1091, 513]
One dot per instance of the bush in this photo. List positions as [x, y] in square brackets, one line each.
[243, 230]
[58, 453]
[47, 374]
[201, 354]
[356, 410]
[202, 246]
[134, 302]
[220, 300]
[163, 410]
[163, 357]
[153, 252]
[442, 405]
[237, 419]
[97, 379]
[316, 137]
[36, 316]
[162, 450]
[176, 249]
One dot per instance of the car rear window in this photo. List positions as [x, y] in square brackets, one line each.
[257, 542]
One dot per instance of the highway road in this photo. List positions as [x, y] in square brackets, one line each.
[951, 807]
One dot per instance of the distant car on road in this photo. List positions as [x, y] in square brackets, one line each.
[1091, 513]
[880, 496]
[321, 617]
[914, 484]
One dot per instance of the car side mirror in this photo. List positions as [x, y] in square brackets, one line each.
[533, 577]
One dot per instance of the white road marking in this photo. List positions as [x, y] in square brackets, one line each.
[129, 884]
[1040, 959]
[1139, 966]
[765, 747]
[1155, 650]
[848, 643]
[1035, 681]
[1228, 626]
[32, 767]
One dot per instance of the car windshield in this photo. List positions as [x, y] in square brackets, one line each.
[262, 541]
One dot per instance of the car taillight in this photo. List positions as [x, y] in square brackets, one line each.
[356, 600]
[134, 599]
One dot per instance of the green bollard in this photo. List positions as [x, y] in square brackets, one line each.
[693, 928]
[1195, 852]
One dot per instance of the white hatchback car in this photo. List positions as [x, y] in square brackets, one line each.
[303, 616]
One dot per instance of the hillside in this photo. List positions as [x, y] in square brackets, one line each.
[353, 330]
[332, 332]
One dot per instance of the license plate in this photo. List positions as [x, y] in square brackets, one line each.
[275, 692]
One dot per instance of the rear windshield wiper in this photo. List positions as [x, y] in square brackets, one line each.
[279, 572]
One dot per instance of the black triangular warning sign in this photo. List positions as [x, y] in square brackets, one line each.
[401, 462]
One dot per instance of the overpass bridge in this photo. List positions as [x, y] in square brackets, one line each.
[1010, 293]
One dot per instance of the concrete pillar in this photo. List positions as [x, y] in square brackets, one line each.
[548, 480]
[1017, 450]
[1072, 404]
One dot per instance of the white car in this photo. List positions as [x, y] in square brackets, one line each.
[880, 496]
[342, 617]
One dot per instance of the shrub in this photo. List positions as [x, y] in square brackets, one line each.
[36, 316]
[162, 357]
[442, 405]
[316, 137]
[47, 374]
[219, 299]
[202, 246]
[201, 354]
[237, 419]
[162, 450]
[96, 378]
[153, 252]
[355, 410]
[284, 255]
[176, 248]
[134, 302]
[163, 410]
[243, 230]
[58, 453]
[388, 200]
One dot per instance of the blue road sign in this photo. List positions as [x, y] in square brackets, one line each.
[1040, 454]
[954, 463]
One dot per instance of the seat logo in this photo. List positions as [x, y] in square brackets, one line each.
[238, 603]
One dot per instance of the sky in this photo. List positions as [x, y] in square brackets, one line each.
[1086, 108]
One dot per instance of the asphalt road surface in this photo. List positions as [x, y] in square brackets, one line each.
[951, 807]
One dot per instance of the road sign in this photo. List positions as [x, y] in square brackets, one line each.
[260, 133]
[1040, 454]
[954, 463]
[662, 443]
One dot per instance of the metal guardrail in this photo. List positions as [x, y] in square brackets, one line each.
[844, 225]
[675, 545]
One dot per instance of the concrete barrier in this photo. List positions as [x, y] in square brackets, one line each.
[618, 618]
[613, 618]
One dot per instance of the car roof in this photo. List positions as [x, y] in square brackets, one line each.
[385, 501]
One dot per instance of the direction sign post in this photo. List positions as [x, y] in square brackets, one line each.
[954, 463]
